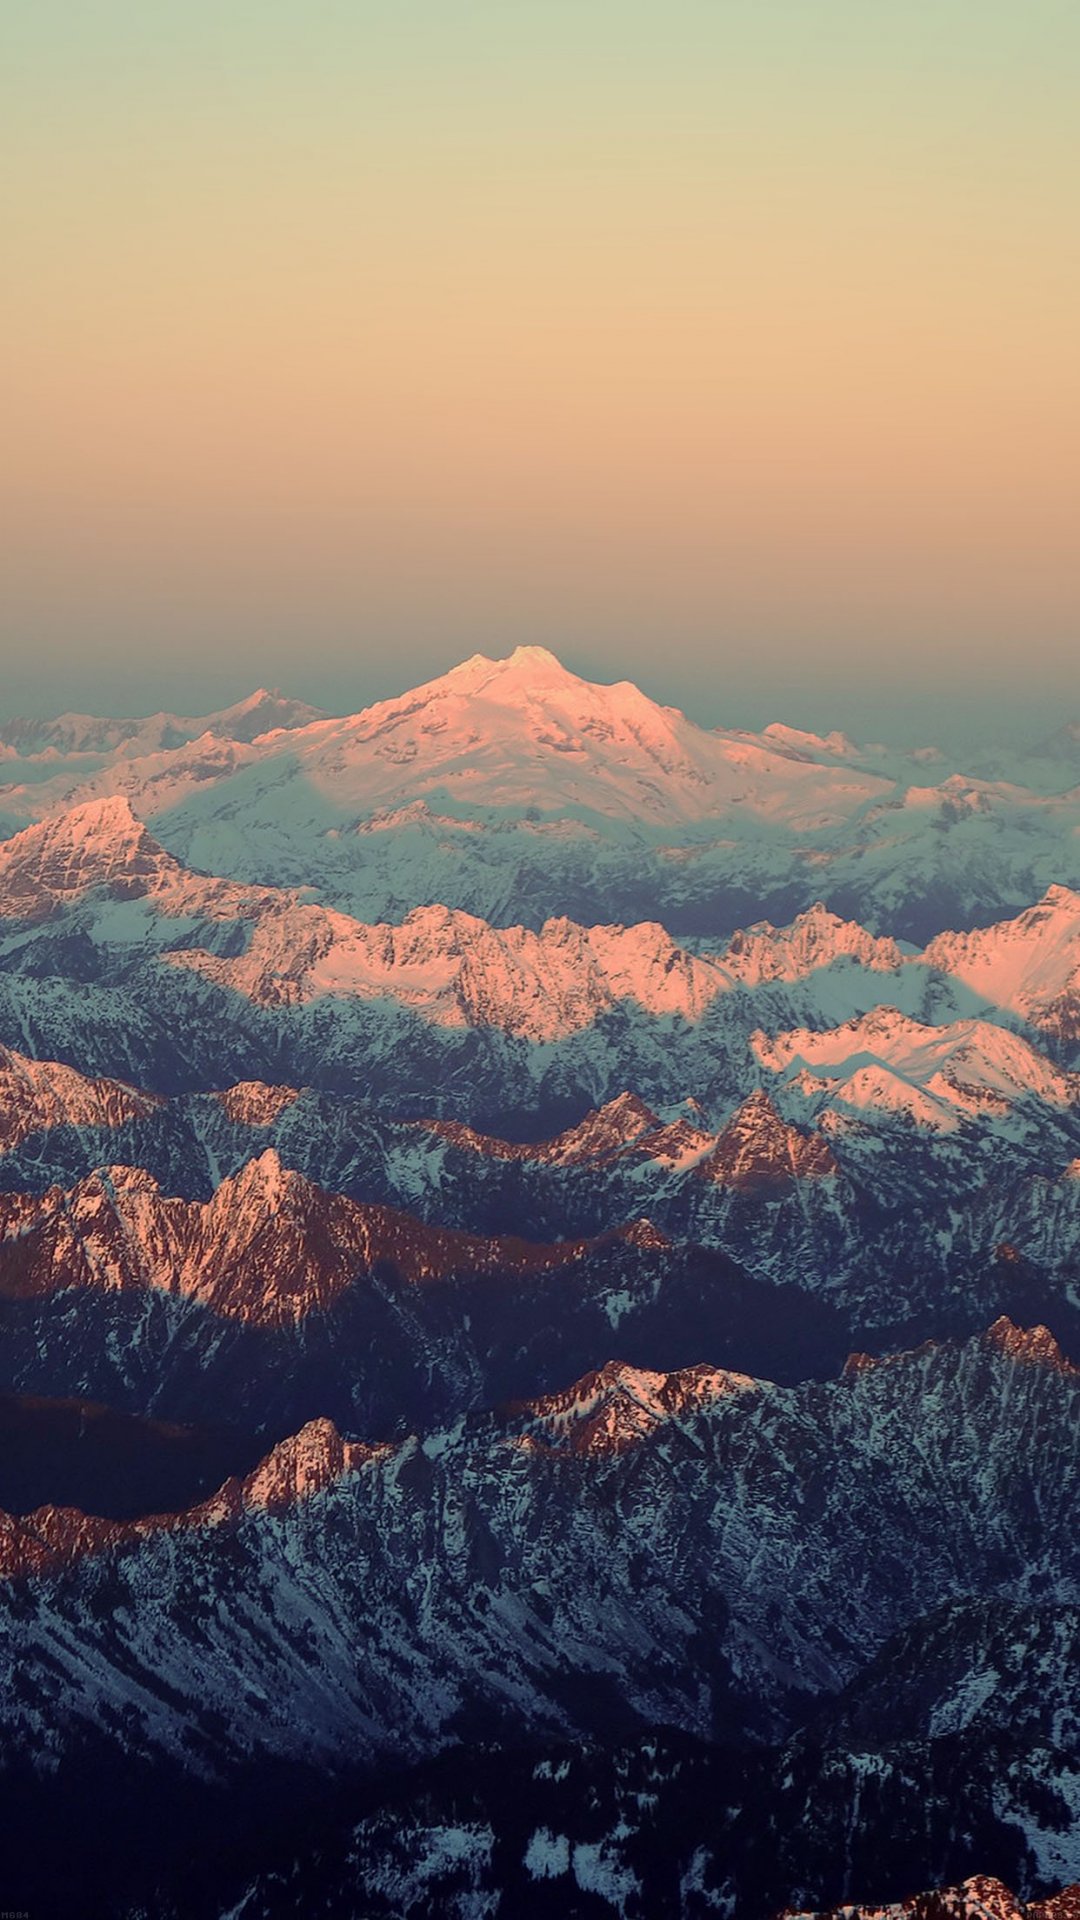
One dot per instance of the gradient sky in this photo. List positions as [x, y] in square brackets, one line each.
[731, 345]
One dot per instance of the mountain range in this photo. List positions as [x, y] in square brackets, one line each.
[516, 791]
[698, 1551]
[539, 1314]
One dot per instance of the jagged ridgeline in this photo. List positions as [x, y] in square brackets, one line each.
[539, 1314]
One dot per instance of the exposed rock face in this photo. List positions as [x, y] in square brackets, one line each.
[757, 1149]
[617, 1406]
[38, 1095]
[267, 1249]
[903, 1231]
[274, 1295]
[251, 1103]
[816, 940]
[978, 1898]
[99, 845]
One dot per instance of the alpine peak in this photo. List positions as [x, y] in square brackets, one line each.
[757, 1148]
[527, 667]
[618, 1405]
[1035, 1345]
[305, 1464]
[39, 1094]
[97, 844]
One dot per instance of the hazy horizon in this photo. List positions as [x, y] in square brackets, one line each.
[912, 714]
[700, 343]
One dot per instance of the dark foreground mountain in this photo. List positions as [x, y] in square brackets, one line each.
[882, 1231]
[747, 1566]
[666, 1829]
[286, 1303]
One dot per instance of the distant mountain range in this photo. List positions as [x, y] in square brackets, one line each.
[514, 790]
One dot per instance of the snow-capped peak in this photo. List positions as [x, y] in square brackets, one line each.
[525, 669]
[816, 938]
[836, 744]
[521, 735]
[1029, 964]
[267, 710]
[108, 818]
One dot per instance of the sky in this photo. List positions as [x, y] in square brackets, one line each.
[726, 345]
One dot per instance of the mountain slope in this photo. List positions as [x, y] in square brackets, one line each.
[886, 1063]
[290, 1302]
[39, 1095]
[523, 734]
[492, 1555]
[73, 735]
[575, 1572]
[117, 957]
[721, 1561]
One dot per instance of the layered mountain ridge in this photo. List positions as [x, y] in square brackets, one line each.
[899, 1226]
[539, 1313]
[537, 1523]
[958, 1462]
[274, 1294]
[117, 957]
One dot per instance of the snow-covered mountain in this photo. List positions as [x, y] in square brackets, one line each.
[515, 790]
[1029, 965]
[345, 1599]
[519, 1135]
[909, 1461]
[521, 733]
[822, 1102]
[118, 957]
[884, 1064]
[890, 1229]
